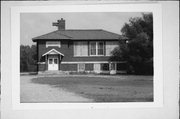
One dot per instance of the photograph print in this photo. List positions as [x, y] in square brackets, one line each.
[86, 57]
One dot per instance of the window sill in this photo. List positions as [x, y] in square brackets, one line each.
[96, 55]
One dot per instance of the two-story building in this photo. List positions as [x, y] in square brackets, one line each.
[77, 50]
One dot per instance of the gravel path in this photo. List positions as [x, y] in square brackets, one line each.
[40, 93]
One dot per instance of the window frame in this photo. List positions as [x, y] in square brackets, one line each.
[90, 46]
[109, 49]
[81, 67]
[58, 44]
[96, 47]
[75, 44]
[103, 65]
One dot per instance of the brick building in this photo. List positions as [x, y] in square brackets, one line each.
[77, 50]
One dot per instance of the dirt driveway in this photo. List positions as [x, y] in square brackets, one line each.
[34, 93]
[86, 88]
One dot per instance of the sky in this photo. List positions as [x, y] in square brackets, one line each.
[36, 24]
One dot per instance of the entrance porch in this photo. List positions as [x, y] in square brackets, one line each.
[52, 60]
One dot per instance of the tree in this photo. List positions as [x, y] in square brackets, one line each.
[138, 49]
[28, 58]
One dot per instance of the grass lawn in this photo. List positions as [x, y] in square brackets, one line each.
[105, 88]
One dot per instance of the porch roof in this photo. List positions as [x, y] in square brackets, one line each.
[53, 51]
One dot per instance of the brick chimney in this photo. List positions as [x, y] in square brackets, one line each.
[60, 24]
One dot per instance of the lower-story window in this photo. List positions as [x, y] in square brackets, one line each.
[81, 67]
[105, 67]
[113, 66]
[89, 67]
[121, 66]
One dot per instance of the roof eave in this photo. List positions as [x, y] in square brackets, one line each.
[35, 40]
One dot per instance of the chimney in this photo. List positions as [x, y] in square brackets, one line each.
[60, 24]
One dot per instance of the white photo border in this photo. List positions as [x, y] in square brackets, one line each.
[155, 8]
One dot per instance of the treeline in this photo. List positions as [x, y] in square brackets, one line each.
[138, 49]
[28, 58]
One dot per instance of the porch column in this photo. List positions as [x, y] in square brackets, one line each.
[59, 57]
[46, 62]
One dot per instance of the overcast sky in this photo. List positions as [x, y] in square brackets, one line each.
[36, 24]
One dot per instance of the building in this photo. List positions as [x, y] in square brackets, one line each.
[77, 50]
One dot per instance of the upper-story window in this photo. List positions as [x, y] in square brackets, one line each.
[53, 44]
[100, 46]
[80, 48]
[110, 46]
[93, 48]
[96, 48]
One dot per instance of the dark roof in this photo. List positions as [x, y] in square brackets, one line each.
[96, 34]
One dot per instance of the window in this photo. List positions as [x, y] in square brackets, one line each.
[96, 48]
[97, 67]
[93, 48]
[55, 61]
[53, 44]
[113, 66]
[81, 67]
[100, 48]
[89, 67]
[105, 67]
[110, 45]
[50, 61]
[121, 66]
[80, 49]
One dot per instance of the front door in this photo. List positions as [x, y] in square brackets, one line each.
[53, 62]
